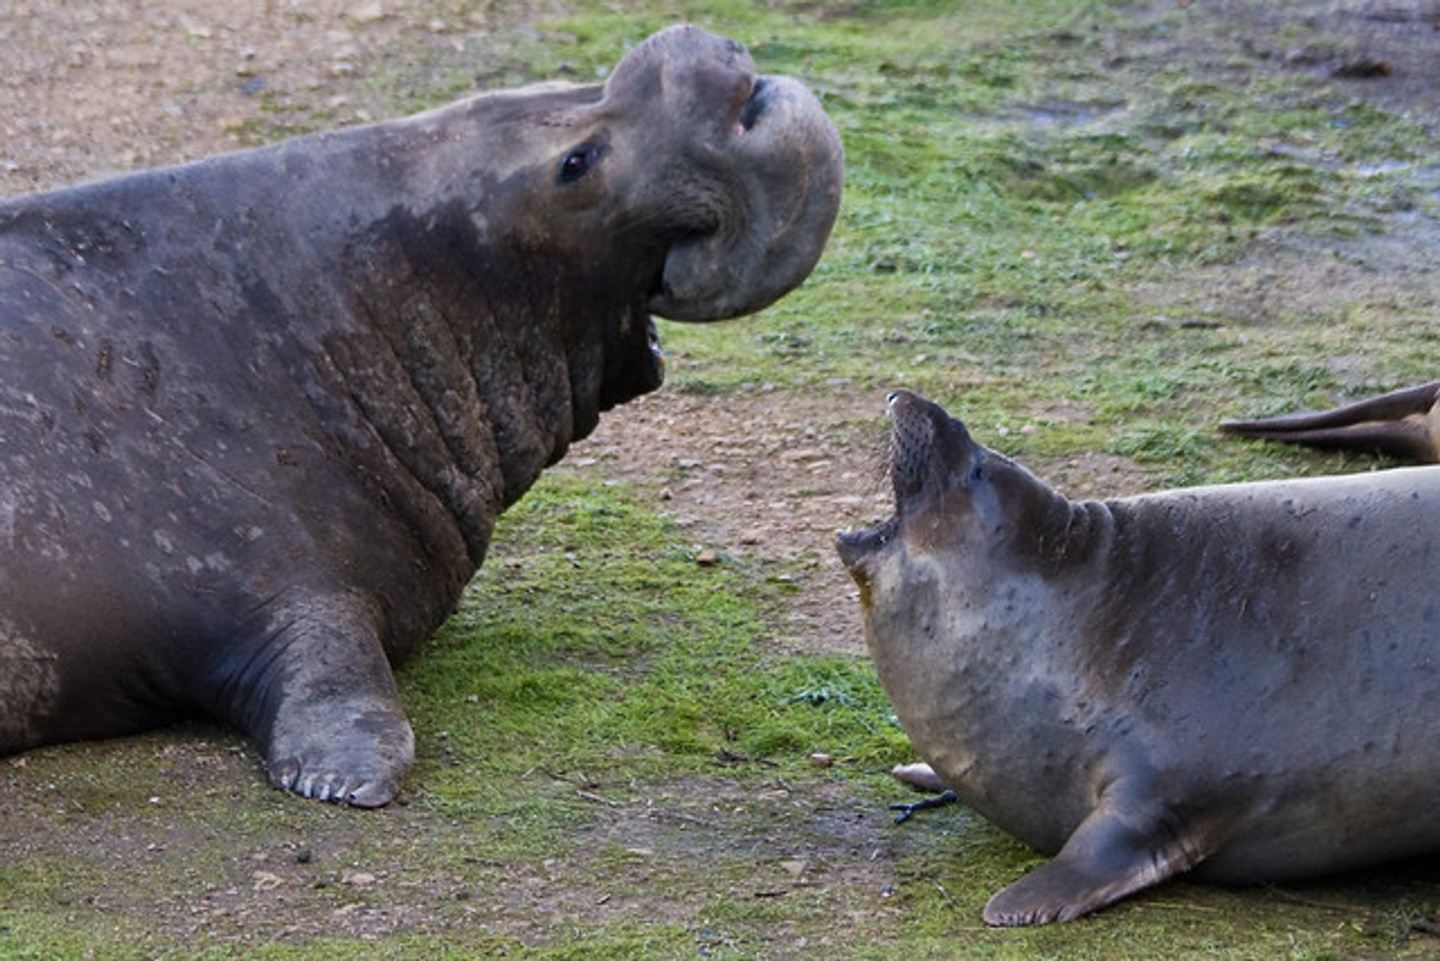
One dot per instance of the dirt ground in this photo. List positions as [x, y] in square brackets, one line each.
[95, 88]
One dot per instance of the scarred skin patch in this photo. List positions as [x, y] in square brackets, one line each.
[29, 683]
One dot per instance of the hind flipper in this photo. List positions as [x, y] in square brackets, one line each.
[1403, 423]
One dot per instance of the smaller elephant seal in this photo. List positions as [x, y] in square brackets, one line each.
[1403, 423]
[1240, 680]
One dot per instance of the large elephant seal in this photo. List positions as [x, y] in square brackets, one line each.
[259, 413]
[1403, 423]
[1242, 680]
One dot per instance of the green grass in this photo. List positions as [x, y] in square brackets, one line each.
[599, 644]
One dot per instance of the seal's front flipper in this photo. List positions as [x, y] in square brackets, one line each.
[1403, 423]
[316, 692]
[1112, 854]
[920, 776]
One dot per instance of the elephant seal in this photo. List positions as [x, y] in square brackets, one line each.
[259, 413]
[1241, 680]
[1403, 423]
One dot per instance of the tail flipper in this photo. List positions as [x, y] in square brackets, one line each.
[1404, 423]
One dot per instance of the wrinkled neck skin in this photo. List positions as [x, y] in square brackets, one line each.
[372, 309]
[476, 344]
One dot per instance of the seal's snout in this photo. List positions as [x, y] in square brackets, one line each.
[928, 448]
[912, 437]
[765, 166]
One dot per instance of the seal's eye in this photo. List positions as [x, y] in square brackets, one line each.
[977, 473]
[577, 163]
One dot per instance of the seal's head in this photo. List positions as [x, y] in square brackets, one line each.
[717, 183]
[687, 186]
[956, 501]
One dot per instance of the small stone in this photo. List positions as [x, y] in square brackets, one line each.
[368, 12]
[266, 881]
[357, 879]
[1362, 68]
[795, 868]
[707, 558]
[304, 856]
[821, 760]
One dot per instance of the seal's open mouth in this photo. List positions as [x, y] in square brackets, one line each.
[854, 546]
[911, 435]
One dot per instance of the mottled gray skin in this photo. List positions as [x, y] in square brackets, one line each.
[1403, 423]
[259, 413]
[1243, 680]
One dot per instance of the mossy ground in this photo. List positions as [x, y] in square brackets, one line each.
[1091, 229]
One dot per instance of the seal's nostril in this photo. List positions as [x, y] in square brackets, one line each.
[750, 112]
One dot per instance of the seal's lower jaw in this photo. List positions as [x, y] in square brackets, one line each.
[857, 548]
